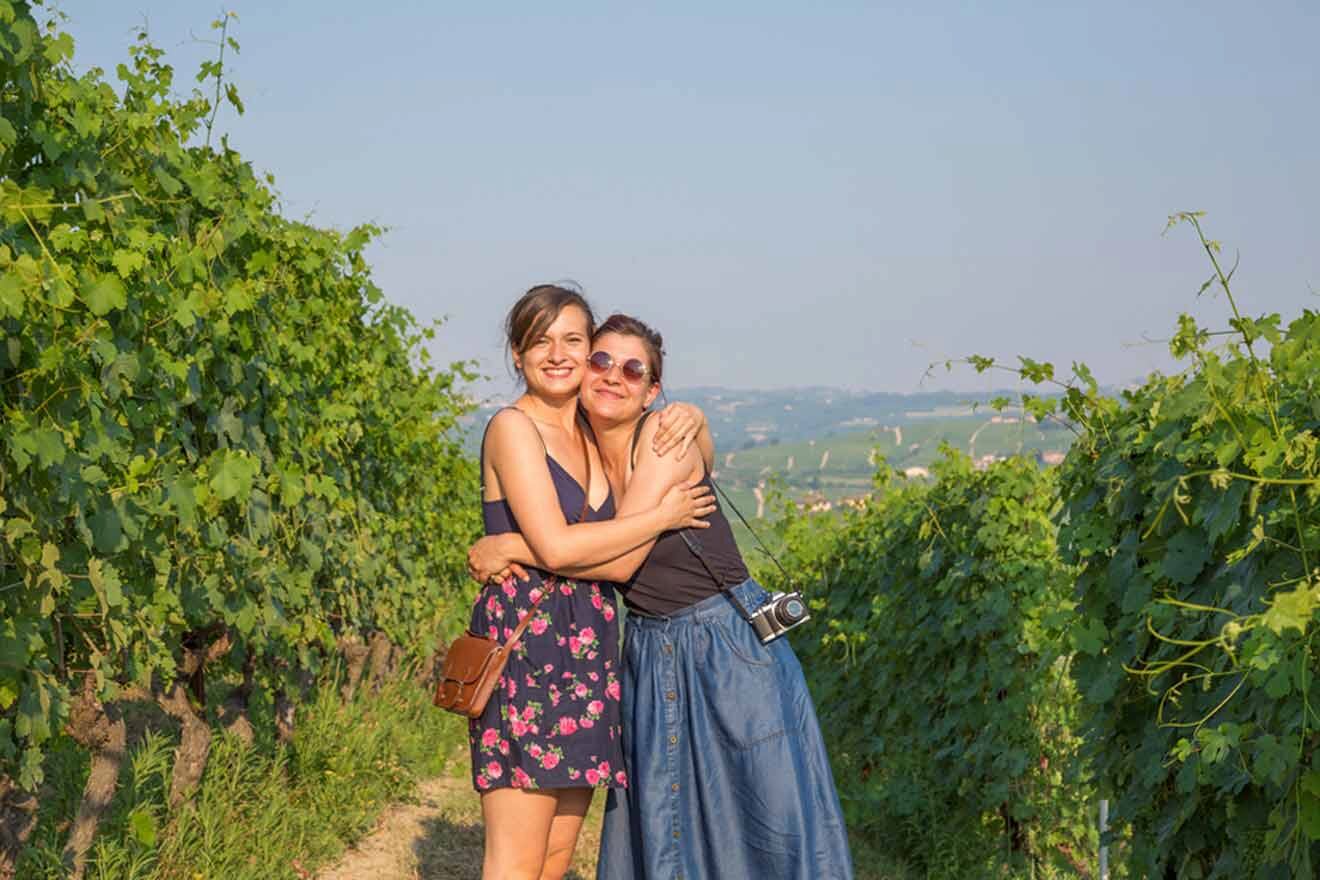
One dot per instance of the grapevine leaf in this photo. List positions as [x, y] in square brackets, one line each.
[234, 478]
[105, 580]
[1292, 610]
[182, 494]
[107, 529]
[1185, 556]
[105, 295]
[1220, 513]
[11, 296]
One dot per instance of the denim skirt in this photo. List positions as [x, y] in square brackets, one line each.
[728, 776]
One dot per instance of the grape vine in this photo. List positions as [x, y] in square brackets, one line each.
[223, 455]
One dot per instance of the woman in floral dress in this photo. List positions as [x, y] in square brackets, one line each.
[550, 734]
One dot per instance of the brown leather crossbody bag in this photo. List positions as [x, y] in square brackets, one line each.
[474, 663]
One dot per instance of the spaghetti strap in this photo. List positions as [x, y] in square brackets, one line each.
[486, 430]
[637, 435]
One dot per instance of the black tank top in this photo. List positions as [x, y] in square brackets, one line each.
[673, 577]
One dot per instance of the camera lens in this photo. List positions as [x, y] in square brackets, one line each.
[790, 611]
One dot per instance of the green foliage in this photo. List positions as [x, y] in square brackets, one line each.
[935, 658]
[259, 808]
[1190, 508]
[210, 415]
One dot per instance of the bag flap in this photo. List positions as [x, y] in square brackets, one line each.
[467, 658]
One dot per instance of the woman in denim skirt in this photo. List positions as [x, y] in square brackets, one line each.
[728, 775]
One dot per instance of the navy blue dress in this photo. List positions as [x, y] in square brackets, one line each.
[554, 719]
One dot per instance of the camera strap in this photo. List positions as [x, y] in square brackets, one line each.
[694, 543]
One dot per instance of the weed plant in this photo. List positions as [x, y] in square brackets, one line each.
[262, 811]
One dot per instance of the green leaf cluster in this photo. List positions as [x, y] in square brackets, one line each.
[209, 416]
[1190, 507]
[937, 659]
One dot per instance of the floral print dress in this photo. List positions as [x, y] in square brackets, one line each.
[553, 720]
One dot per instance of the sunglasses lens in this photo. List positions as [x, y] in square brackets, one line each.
[634, 370]
[600, 361]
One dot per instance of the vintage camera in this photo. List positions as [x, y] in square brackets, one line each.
[780, 613]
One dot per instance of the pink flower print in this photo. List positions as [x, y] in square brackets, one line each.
[593, 776]
[489, 737]
[567, 726]
[493, 631]
[491, 604]
[519, 729]
[587, 721]
[595, 707]
[523, 612]
[587, 634]
[508, 631]
[580, 690]
[597, 601]
[593, 676]
[494, 770]
[509, 589]
[548, 668]
[612, 690]
[621, 778]
[528, 712]
[574, 774]
[521, 779]
[511, 688]
[534, 750]
[604, 768]
[566, 588]
[592, 655]
[504, 747]
[550, 761]
[534, 594]
[482, 781]
[538, 626]
[574, 644]
[608, 612]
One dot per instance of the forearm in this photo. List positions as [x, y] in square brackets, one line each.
[584, 545]
[512, 547]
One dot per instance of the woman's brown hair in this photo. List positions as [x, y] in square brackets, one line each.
[536, 310]
[626, 325]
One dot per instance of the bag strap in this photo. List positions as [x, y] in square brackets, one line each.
[524, 623]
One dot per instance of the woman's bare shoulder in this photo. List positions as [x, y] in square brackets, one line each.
[512, 429]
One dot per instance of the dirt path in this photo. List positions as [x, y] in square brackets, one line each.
[439, 837]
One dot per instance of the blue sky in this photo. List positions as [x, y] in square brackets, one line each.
[794, 194]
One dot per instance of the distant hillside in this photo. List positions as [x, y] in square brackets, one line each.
[818, 444]
[743, 419]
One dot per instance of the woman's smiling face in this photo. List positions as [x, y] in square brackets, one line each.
[553, 364]
[609, 396]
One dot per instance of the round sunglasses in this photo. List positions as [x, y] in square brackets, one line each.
[633, 370]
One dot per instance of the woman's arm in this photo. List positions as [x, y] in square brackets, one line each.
[515, 451]
[655, 478]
